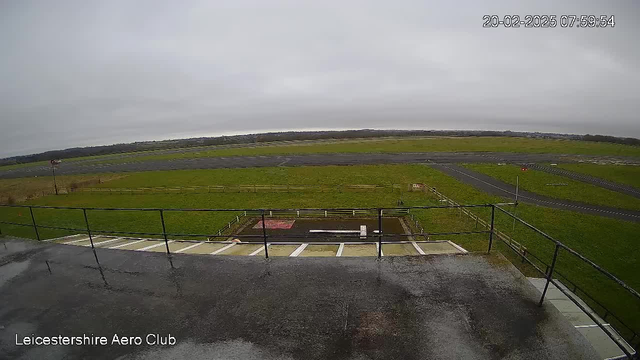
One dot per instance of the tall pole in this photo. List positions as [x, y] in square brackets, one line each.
[264, 237]
[493, 216]
[379, 233]
[33, 220]
[86, 221]
[549, 274]
[515, 207]
[164, 232]
[55, 185]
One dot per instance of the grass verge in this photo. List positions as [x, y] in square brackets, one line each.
[557, 186]
[624, 174]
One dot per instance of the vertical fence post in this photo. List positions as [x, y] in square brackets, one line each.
[86, 221]
[264, 236]
[379, 233]
[550, 274]
[493, 216]
[33, 220]
[164, 232]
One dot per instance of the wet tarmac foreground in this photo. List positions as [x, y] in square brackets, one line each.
[240, 307]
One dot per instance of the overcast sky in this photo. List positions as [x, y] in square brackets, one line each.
[76, 73]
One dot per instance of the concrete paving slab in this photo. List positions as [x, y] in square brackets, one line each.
[173, 246]
[79, 241]
[139, 245]
[320, 250]
[566, 306]
[96, 240]
[438, 248]
[64, 239]
[601, 342]
[282, 250]
[205, 248]
[579, 319]
[114, 243]
[241, 249]
[351, 250]
[399, 249]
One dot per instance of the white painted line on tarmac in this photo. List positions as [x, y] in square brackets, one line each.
[299, 250]
[340, 249]
[418, 248]
[75, 241]
[222, 249]
[457, 247]
[188, 247]
[259, 250]
[105, 242]
[154, 245]
[126, 244]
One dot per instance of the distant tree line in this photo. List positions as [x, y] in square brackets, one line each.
[612, 139]
[289, 136]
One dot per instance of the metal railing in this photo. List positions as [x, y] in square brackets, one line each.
[550, 271]
[526, 256]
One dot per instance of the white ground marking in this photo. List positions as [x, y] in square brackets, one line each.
[105, 242]
[62, 238]
[457, 247]
[126, 244]
[418, 248]
[259, 250]
[590, 326]
[299, 250]
[75, 241]
[188, 247]
[222, 249]
[340, 249]
[154, 245]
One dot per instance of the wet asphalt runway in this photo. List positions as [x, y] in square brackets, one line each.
[292, 160]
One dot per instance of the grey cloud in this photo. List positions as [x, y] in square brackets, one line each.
[86, 73]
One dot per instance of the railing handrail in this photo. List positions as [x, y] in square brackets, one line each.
[575, 253]
[253, 209]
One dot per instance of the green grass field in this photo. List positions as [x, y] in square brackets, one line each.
[383, 145]
[539, 182]
[441, 144]
[624, 174]
[608, 242]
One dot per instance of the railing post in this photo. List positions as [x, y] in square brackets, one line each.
[493, 215]
[86, 221]
[33, 220]
[550, 273]
[379, 233]
[164, 232]
[264, 236]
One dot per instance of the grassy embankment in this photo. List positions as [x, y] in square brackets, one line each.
[547, 184]
[608, 242]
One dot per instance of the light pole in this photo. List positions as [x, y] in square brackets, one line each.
[53, 170]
